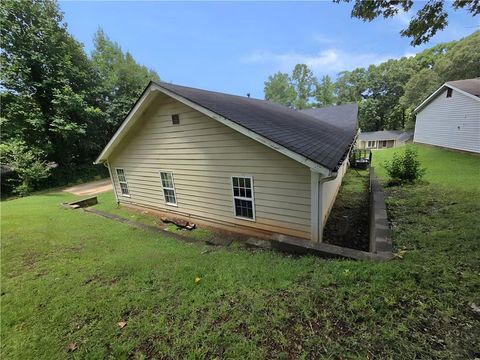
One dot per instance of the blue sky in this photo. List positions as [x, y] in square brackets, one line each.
[233, 47]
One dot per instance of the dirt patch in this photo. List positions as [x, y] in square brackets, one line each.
[148, 349]
[348, 222]
[90, 188]
[101, 280]
[31, 259]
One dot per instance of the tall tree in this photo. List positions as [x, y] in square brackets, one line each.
[46, 82]
[431, 18]
[121, 80]
[304, 83]
[462, 61]
[279, 89]
[325, 92]
[350, 86]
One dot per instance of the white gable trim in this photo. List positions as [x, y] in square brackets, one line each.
[127, 124]
[439, 90]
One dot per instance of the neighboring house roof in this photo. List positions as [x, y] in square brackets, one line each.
[385, 135]
[286, 130]
[471, 86]
[407, 135]
[342, 116]
[468, 87]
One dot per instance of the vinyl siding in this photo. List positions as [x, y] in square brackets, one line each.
[203, 155]
[450, 122]
[330, 191]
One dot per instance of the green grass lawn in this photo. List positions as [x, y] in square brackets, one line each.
[69, 277]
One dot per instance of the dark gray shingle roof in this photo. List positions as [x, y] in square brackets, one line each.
[471, 86]
[384, 135]
[342, 116]
[310, 137]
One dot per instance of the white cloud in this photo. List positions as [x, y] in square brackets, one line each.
[403, 17]
[327, 61]
[324, 39]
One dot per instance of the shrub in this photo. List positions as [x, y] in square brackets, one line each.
[25, 163]
[405, 168]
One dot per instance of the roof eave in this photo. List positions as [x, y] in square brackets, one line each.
[153, 86]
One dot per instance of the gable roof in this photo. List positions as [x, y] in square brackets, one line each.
[313, 142]
[385, 135]
[342, 116]
[468, 87]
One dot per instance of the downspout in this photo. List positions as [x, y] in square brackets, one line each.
[316, 195]
[316, 199]
[322, 181]
[107, 165]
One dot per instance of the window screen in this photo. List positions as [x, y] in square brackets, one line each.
[243, 197]
[122, 180]
[168, 187]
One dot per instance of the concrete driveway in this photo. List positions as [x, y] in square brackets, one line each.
[90, 188]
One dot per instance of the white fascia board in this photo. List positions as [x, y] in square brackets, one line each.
[427, 100]
[123, 129]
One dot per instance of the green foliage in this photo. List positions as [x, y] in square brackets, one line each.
[350, 85]
[406, 167]
[325, 92]
[294, 90]
[428, 20]
[386, 93]
[461, 60]
[279, 89]
[27, 163]
[304, 84]
[55, 99]
[122, 80]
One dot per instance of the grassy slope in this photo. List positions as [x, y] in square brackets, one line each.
[68, 276]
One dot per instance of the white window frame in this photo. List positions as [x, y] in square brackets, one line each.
[370, 141]
[122, 182]
[252, 199]
[168, 188]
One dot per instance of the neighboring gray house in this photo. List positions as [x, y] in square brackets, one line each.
[234, 162]
[383, 139]
[450, 117]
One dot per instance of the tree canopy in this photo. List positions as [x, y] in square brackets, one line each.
[388, 92]
[60, 104]
[430, 19]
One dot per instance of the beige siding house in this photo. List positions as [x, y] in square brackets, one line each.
[450, 117]
[384, 139]
[188, 153]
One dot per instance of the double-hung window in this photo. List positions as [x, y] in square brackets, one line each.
[122, 180]
[243, 202]
[168, 187]
[371, 144]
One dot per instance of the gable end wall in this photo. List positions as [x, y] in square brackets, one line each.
[203, 155]
[450, 122]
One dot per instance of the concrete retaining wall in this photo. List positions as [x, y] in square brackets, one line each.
[380, 233]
